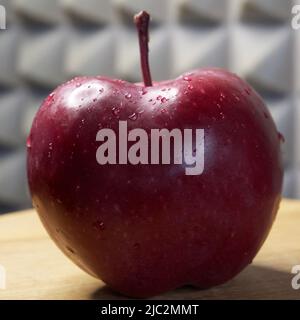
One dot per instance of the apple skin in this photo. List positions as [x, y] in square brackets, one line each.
[147, 229]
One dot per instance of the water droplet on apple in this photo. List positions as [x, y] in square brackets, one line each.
[158, 97]
[163, 100]
[236, 97]
[185, 78]
[116, 111]
[219, 106]
[78, 85]
[190, 87]
[144, 91]
[164, 89]
[133, 116]
[136, 245]
[50, 98]
[99, 225]
[266, 115]
[222, 115]
[28, 143]
[248, 91]
[128, 95]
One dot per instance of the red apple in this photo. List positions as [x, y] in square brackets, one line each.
[145, 229]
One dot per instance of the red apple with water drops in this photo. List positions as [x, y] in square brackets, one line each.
[147, 229]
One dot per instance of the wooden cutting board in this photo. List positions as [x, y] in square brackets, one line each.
[36, 269]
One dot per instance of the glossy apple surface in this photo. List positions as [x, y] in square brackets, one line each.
[146, 229]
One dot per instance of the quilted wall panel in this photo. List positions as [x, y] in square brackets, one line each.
[49, 41]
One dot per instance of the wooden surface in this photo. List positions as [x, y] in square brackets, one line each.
[36, 269]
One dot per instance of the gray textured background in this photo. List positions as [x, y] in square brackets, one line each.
[48, 42]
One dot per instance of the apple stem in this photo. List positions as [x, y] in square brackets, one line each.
[141, 21]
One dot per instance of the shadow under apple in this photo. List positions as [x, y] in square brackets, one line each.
[255, 282]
